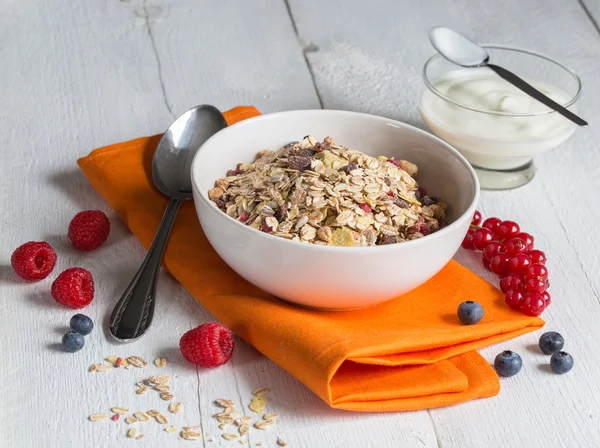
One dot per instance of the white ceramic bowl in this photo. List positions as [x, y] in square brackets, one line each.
[324, 277]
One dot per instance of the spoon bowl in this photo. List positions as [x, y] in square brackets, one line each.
[171, 172]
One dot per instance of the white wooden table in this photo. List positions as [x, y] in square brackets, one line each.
[78, 75]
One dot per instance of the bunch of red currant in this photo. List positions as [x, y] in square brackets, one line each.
[509, 253]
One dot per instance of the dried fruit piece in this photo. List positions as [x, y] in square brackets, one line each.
[112, 360]
[342, 237]
[98, 417]
[175, 407]
[160, 362]
[132, 433]
[115, 417]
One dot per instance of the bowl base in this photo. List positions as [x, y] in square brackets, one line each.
[490, 179]
[314, 308]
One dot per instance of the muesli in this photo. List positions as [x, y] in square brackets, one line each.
[328, 194]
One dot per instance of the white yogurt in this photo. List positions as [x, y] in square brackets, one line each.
[492, 140]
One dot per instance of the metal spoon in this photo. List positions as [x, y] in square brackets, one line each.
[464, 52]
[171, 173]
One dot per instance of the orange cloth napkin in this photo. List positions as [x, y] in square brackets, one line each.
[409, 353]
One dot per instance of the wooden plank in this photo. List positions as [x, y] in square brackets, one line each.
[369, 59]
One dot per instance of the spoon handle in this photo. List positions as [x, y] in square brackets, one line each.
[133, 313]
[534, 93]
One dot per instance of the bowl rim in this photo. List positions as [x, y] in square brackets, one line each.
[569, 70]
[203, 195]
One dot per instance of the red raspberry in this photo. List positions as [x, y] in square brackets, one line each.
[73, 288]
[209, 345]
[89, 229]
[33, 260]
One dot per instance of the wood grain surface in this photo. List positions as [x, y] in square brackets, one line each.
[78, 75]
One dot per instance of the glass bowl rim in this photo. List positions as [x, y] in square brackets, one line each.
[570, 71]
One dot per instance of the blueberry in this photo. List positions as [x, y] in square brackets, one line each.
[81, 324]
[470, 312]
[551, 342]
[508, 363]
[72, 342]
[561, 362]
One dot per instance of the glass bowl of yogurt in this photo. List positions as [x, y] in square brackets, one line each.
[496, 126]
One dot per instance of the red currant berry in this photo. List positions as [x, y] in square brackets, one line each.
[506, 230]
[546, 296]
[476, 218]
[493, 248]
[511, 282]
[482, 237]
[485, 262]
[537, 271]
[537, 257]
[515, 246]
[527, 238]
[491, 223]
[499, 265]
[519, 264]
[468, 241]
[514, 299]
[533, 305]
[535, 286]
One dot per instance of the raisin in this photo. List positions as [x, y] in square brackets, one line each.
[401, 203]
[387, 181]
[320, 147]
[386, 239]
[429, 200]
[303, 152]
[281, 213]
[299, 163]
[350, 167]
[219, 203]
[234, 172]
[394, 162]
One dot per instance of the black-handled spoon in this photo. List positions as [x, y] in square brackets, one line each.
[171, 165]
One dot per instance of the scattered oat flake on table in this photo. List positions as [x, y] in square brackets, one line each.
[270, 417]
[190, 435]
[224, 419]
[229, 436]
[162, 388]
[160, 380]
[141, 390]
[258, 404]
[243, 429]
[223, 426]
[98, 417]
[241, 420]
[224, 403]
[119, 410]
[170, 429]
[175, 407]
[152, 412]
[131, 419]
[104, 368]
[136, 361]
[141, 436]
[95, 367]
[142, 416]
[167, 396]
[259, 444]
[243, 442]
[191, 428]
[160, 362]
[161, 419]
[261, 391]
[264, 424]
[281, 442]
[131, 433]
